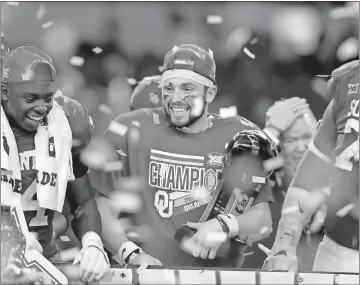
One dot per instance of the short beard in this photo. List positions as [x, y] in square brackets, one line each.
[191, 120]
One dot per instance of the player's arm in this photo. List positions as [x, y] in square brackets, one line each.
[260, 216]
[304, 194]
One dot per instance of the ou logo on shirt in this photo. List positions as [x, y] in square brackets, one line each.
[163, 204]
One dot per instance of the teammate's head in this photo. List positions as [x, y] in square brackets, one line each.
[295, 141]
[146, 96]
[188, 84]
[27, 87]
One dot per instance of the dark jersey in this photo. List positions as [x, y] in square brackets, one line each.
[174, 163]
[336, 142]
[38, 219]
[345, 176]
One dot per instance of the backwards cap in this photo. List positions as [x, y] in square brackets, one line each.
[191, 62]
[27, 64]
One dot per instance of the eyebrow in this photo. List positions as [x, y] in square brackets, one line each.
[36, 95]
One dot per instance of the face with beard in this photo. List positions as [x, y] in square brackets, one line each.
[295, 143]
[185, 101]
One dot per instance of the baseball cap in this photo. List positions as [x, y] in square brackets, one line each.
[191, 62]
[26, 64]
[147, 97]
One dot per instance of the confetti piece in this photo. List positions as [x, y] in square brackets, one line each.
[97, 50]
[248, 53]
[136, 123]
[69, 254]
[345, 210]
[118, 128]
[94, 159]
[323, 75]
[274, 163]
[343, 13]
[134, 136]
[77, 61]
[64, 238]
[163, 169]
[160, 68]
[265, 230]
[131, 81]
[248, 253]
[214, 19]
[253, 41]
[113, 166]
[40, 13]
[105, 109]
[58, 93]
[198, 107]
[264, 249]
[14, 4]
[308, 237]
[202, 271]
[229, 112]
[27, 75]
[119, 151]
[200, 193]
[142, 267]
[289, 210]
[258, 179]
[47, 25]
[76, 142]
[215, 238]
[126, 202]
[327, 191]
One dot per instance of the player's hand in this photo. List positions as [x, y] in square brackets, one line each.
[282, 114]
[147, 259]
[207, 240]
[93, 262]
[147, 81]
[32, 243]
[281, 262]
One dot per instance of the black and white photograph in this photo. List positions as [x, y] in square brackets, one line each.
[180, 142]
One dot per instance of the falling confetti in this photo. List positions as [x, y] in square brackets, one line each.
[136, 123]
[229, 112]
[27, 75]
[142, 267]
[93, 159]
[118, 128]
[163, 169]
[76, 142]
[64, 238]
[308, 237]
[131, 81]
[264, 249]
[113, 166]
[248, 253]
[343, 13]
[258, 179]
[248, 53]
[265, 230]
[58, 93]
[253, 41]
[345, 210]
[105, 109]
[214, 19]
[77, 61]
[134, 136]
[97, 50]
[274, 163]
[290, 210]
[47, 25]
[40, 13]
[323, 75]
[126, 202]
[200, 193]
[14, 4]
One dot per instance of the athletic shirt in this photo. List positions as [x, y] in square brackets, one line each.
[39, 220]
[173, 163]
[345, 176]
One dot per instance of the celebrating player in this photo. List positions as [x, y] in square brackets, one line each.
[332, 156]
[180, 149]
[42, 165]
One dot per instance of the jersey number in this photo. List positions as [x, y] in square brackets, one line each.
[343, 161]
[30, 204]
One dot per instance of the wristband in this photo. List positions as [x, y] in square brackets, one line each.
[132, 256]
[232, 224]
[223, 225]
[273, 137]
[127, 249]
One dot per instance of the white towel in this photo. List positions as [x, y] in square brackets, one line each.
[48, 196]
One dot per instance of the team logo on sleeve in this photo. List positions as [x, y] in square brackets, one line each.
[353, 88]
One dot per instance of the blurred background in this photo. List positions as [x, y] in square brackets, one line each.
[264, 51]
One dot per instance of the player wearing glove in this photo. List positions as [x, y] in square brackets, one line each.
[42, 164]
[332, 155]
[180, 149]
